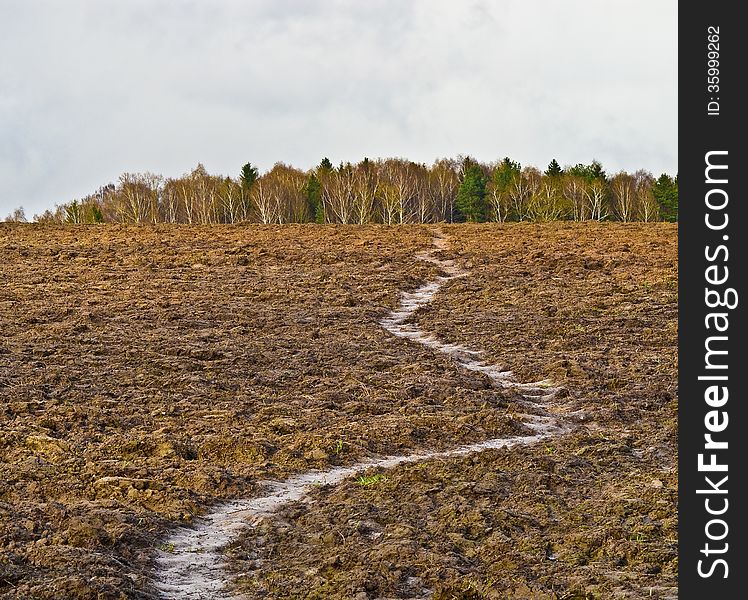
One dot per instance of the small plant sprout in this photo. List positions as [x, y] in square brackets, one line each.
[167, 548]
[338, 446]
[369, 480]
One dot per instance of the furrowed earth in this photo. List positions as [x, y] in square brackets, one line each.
[147, 373]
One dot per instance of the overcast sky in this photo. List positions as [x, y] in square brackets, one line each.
[89, 89]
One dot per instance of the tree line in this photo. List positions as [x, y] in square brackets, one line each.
[390, 191]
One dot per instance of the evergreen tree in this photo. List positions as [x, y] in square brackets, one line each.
[313, 191]
[96, 215]
[505, 173]
[665, 191]
[596, 171]
[554, 169]
[248, 177]
[471, 196]
[580, 170]
[589, 172]
[323, 171]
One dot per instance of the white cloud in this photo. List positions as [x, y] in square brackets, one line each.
[89, 89]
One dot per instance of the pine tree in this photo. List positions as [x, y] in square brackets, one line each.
[248, 177]
[596, 171]
[554, 169]
[665, 191]
[505, 173]
[471, 197]
[589, 172]
[580, 170]
[96, 215]
[326, 165]
[313, 191]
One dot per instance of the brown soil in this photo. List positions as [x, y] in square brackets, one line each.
[589, 515]
[148, 372]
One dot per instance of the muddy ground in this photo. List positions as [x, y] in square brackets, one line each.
[148, 372]
[589, 515]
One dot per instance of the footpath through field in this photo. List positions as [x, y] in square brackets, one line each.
[194, 566]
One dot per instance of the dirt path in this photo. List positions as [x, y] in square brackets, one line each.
[191, 564]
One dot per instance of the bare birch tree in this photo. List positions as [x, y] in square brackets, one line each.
[522, 189]
[595, 194]
[443, 184]
[338, 195]
[574, 191]
[137, 197]
[365, 190]
[646, 203]
[623, 194]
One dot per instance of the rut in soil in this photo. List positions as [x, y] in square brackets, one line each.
[195, 568]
